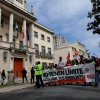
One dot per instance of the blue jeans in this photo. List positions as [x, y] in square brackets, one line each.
[3, 78]
[96, 77]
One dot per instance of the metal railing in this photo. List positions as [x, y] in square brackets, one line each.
[37, 53]
[18, 46]
[49, 55]
[43, 54]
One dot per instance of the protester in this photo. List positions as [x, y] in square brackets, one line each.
[50, 66]
[84, 61]
[95, 62]
[38, 73]
[3, 77]
[55, 66]
[76, 62]
[68, 63]
[32, 75]
[61, 63]
[73, 62]
[99, 65]
[24, 72]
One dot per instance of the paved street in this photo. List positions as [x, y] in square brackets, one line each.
[61, 92]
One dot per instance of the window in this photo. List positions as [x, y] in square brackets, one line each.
[36, 47]
[20, 1]
[49, 50]
[2, 23]
[43, 54]
[48, 39]
[42, 37]
[36, 34]
[43, 49]
[0, 38]
[21, 44]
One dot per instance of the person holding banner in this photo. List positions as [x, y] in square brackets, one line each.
[61, 63]
[95, 62]
[83, 61]
[68, 63]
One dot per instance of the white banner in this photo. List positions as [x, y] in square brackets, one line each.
[81, 73]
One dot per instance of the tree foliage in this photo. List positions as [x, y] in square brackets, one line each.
[95, 13]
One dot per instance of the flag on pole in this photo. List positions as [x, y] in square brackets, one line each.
[76, 52]
[17, 29]
[68, 56]
[23, 34]
[27, 34]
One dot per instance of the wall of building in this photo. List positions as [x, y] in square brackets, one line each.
[44, 43]
[60, 52]
[19, 3]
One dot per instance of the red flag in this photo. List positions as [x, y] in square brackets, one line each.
[23, 34]
[68, 56]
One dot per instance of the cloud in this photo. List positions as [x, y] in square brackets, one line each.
[68, 18]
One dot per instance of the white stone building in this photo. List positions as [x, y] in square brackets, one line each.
[63, 50]
[17, 52]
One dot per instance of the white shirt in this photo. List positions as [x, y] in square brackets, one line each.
[61, 64]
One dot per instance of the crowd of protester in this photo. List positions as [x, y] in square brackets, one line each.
[77, 62]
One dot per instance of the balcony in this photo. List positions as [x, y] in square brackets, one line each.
[43, 55]
[4, 44]
[17, 46]
[37, 53]
[50, 56]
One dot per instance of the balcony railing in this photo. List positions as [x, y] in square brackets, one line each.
[18, 46]
[43, 54]
[37, 53]
[50, 56]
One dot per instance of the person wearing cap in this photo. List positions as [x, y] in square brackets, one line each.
[61, 63]
[38, 72]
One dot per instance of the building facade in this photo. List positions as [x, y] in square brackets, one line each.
[63, 51]
[58, 40]
[44, 48]
[20, 46]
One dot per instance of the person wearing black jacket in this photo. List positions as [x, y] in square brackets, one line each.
[84, 61]
[24, 72]
[3, 76]
[96, 64]
[32, 75]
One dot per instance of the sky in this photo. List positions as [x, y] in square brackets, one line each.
[67, 18]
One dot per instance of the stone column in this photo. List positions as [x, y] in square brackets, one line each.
[32, 41]
[24, 27]
[11, 28]
[32, 35]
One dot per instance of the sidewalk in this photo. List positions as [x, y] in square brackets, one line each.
[16, 87]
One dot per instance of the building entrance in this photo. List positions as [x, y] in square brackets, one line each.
[18, 65]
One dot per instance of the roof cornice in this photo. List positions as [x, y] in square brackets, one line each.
[43, 28]
[19, 9]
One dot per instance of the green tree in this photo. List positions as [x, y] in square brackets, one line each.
[95, 14]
